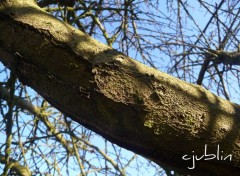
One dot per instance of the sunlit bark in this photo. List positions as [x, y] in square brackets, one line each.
[128, 103]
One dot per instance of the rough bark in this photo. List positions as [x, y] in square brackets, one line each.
[128, 103]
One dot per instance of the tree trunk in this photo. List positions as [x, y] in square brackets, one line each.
[128, 103]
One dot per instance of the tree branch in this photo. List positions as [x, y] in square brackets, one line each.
[16, 167]
[128, 103]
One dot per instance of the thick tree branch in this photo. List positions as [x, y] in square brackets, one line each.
[16, 166]
[130, 104]
[230, 58]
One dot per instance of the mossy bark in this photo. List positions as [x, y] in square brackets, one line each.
[130, 104]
